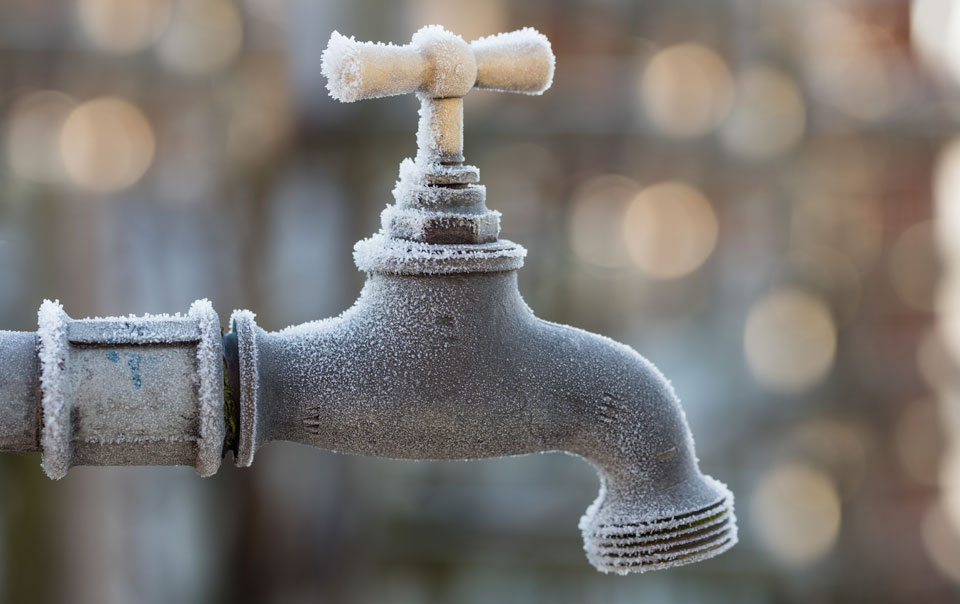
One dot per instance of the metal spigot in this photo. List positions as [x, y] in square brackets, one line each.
[439, 358]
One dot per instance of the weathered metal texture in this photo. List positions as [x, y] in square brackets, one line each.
[131, 391]
[18, 391]
[458, 367]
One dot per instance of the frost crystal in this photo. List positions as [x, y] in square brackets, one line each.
[340, 64]
[55, 437]
[519, 53]
[210, 391]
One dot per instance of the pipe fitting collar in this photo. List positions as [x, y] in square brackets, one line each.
[131, 390]
[382, 254]
[244, 326]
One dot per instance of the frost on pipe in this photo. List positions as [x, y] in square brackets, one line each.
[131, 390]
[18, 391]
[439, 64]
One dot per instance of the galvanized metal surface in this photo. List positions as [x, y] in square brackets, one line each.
[131, 390]
[18, 391]
[458, 367]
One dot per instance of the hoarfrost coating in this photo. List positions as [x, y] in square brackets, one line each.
[438, 64]
[440, 68]
[439, 358]
[52, 336]
[127, 390]
[456, 366]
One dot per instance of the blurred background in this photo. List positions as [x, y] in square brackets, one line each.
[761, 196]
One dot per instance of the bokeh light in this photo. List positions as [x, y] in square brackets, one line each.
[106, 144]
[935, 31]
[596, 220]
[946, 192]
[851, 225]
[470, 20]
[848, 62]
[123, 26]
[919, 440]
[836, 446]
[948, 320]
[941, 539]
[260, 121]
[523, 175]
[33, 135]
[796, 511]
[769, 115]
[933, 360]
[275, 12]
[686, 90]
[843, 166]
[950, 484]
[203, 37]
[670, 229]
[913, 266]
[789, 341]
[829, 273]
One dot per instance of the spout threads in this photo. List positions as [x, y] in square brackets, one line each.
[626, 547]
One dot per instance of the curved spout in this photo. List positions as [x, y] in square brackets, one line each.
[458, 367]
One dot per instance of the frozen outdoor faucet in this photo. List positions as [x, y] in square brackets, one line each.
[439, 358]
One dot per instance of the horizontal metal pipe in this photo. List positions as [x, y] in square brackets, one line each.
[18, 391]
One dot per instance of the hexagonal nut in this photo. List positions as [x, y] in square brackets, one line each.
[440, 227]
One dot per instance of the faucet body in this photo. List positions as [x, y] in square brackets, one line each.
[457, 366]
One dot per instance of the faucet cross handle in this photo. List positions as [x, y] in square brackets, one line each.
[440, 67]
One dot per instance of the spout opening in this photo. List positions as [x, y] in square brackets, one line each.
[624, 544]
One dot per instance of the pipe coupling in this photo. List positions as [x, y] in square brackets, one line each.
[131, 390]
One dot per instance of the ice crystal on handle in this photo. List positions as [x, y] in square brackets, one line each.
[440, 67]
[517, 61]
[353, 73]
[340, 64]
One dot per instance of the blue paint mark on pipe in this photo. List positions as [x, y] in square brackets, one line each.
[134, 365]
[113, 356]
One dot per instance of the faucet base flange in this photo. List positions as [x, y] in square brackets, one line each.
[382, 254]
